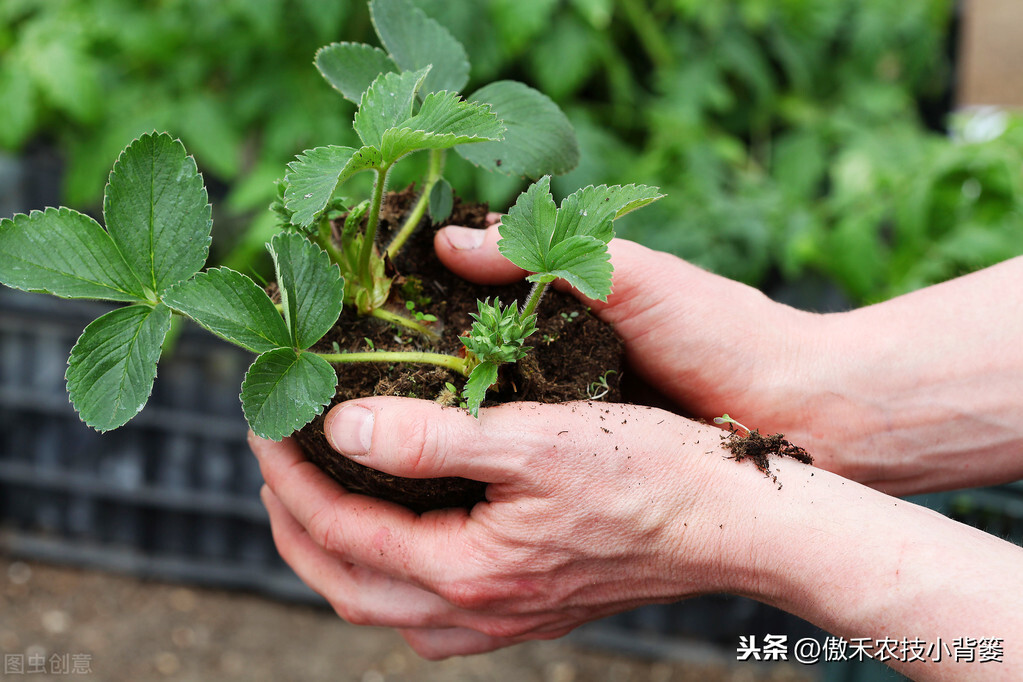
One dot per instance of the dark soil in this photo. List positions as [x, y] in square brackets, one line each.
[758, 449]
[571, 350]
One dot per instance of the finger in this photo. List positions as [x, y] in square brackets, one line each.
[508, 444]
[361, 596]
[366, 531]
[436, 644]
[515, 447]
[421, 439]
[473, 255]
[364, 596]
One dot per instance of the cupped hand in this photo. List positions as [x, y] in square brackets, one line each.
[709, 344]
[591, 509]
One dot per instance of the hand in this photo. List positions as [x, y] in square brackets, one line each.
[916, 394]
[711, 345]
[591, 509]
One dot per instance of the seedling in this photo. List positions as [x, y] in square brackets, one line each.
[725, 419]
[408, 101]
[157, 236]
[599, 389]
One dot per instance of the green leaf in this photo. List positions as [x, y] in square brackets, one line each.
[351, 67]
[386, 103]
[498, 332]
[233, 307]
[592, 209]
[283, 391]
[67, 70]
[444, 121]
[583, 262]
[64, 253]
[17, 92]
[482, 377]
[312, 289]
[112, 367]
[157, 211]
[442, 200]
[414, 41]
[525, 231]
[569, 242]
[538, 139]
[316, 174]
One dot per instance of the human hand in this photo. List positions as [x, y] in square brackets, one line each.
[916, 394]
[709, 344]
[591, 509]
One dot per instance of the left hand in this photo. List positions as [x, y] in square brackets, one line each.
[592, 509]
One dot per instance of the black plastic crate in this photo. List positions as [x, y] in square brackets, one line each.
[173, 494]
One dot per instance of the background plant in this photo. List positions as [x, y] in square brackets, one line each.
[794, 139]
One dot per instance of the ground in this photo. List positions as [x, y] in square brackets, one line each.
[124, 629]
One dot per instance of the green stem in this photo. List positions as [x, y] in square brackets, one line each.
[435, 172]
[403, 321]
[421, 357]
[369, 237]
[326, 242]
[534, 298]
[649, 33]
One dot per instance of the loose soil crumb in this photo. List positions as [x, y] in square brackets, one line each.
[758, 449]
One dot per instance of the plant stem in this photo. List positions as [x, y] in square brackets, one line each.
[649, 33]
[415, 326]
[369, 238]
[421, 357]
[435, 172]
[323, 238]
[529, 307]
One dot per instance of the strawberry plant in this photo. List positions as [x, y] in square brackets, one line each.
[158, 224]
[157, 236]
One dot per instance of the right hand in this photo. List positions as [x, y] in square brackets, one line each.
[709, 344]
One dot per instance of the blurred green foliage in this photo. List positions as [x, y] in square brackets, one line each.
[787, 134]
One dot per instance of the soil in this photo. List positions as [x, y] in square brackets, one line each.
[571, 350]
[758, 449]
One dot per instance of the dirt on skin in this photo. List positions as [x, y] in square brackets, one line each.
[758, 449]
[573, 352]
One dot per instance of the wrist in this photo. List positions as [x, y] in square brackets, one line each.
[861, 564]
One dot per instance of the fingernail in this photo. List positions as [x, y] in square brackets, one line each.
[350, 430]
[464, 238]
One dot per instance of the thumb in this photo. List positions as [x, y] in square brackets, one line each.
[472, 254]
[509, 444]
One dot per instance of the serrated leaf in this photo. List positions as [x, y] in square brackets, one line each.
[112, 367]
[157, 211]
[414, 41]
[591, 210]
[65, 253]
[583, 262]
[482, 377]
[442, 200]
[443, 121]
[283, 391]
[569, 242]
[312, 289]
[525, 231]
[232, 306]
[387, 102]
[538, 140]
[316, 174]
[351, 67]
